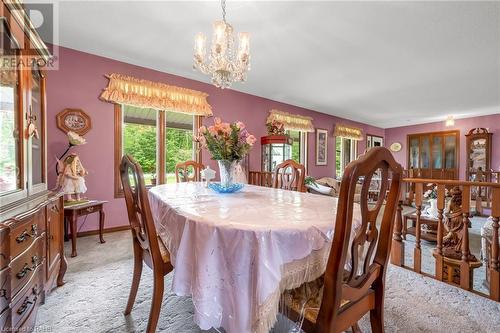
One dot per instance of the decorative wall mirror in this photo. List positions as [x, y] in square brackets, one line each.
[478, 153]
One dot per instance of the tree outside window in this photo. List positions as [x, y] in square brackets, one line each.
[141, 131]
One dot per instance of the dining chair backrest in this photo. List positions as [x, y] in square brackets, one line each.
[367, 269]
[188, 171]
[260, 178]
[289, 175]
[138, 209]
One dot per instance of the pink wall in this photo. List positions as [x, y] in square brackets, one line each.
[399, 134]
[78, 84]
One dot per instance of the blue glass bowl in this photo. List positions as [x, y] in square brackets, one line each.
[217, 187]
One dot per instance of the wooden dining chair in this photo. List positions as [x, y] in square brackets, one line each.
[148, 246]
[182, 171]
[343, 296]
[290, 175]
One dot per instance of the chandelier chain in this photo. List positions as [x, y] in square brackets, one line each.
[223, 5]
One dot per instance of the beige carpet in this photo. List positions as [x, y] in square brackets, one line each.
[98, 282]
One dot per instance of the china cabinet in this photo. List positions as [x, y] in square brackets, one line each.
[31, 217]
[434, 155]
[478, 153]
[275, 150]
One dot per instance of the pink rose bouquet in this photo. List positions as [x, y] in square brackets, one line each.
[225, 141]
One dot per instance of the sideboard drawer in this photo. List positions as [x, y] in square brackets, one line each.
[24, 233]
[28, 300]
[4, 247]
[4, 289]
[24, 266]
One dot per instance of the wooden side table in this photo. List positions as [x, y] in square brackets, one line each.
[428, 234]
[72, 212]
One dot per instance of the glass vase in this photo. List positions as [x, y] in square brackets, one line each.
[226, 171]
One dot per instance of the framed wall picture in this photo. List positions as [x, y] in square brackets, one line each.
[321, 146]
[75, 120]
[374, 141]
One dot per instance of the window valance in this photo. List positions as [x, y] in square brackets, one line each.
[348, 132]
[293, 122]
[123, 89]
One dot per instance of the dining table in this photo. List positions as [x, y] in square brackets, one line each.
[235, 254]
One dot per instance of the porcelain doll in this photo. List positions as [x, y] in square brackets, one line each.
[71, 179]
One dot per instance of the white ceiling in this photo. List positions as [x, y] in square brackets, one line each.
[384, 63]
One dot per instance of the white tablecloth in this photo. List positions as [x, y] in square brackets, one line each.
[235, 253]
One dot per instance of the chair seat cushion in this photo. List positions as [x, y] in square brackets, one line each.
[306, 299]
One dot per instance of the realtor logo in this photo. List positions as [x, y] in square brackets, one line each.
[36, 45]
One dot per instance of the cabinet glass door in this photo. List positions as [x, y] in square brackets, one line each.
[450, 143]
[10, 143]
[437, 152]
[414, 153]
[35, 123]
[425, 152]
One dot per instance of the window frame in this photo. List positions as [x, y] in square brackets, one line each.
[303, 156]
[354, 154]
[160, 146]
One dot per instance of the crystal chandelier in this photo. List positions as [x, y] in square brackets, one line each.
[225, 64]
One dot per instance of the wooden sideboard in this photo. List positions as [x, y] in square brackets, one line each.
[31, 217]
[32, 258]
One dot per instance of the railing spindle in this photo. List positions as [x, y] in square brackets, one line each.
[398, 249]
[417, 253]
[494, 267]
[464, 265]
[439, 249]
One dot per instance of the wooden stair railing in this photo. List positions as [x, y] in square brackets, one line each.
[454, 263]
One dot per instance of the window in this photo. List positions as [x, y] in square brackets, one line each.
[345, 152]
[157, 140]
[139, 135]
[179, 146]
[299, 146]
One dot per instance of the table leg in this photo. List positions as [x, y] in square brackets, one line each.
[405, 226]
[101, 225]
[62, 271]
[66, 235]
[73, 235]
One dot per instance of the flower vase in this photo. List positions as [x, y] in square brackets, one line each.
[432, 210]
[227, 171]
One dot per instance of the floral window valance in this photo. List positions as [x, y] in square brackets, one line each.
[123, 89]
[348, 132]
[293, 122]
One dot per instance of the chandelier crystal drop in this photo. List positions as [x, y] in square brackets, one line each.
[225, 64]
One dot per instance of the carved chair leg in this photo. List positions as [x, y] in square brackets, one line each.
[355, 328]
[156, 302]
[377, 314]
[136, 279]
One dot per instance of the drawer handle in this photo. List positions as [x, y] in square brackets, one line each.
[25, 234]
[27, 268]
[24, 271]
[22, 309]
